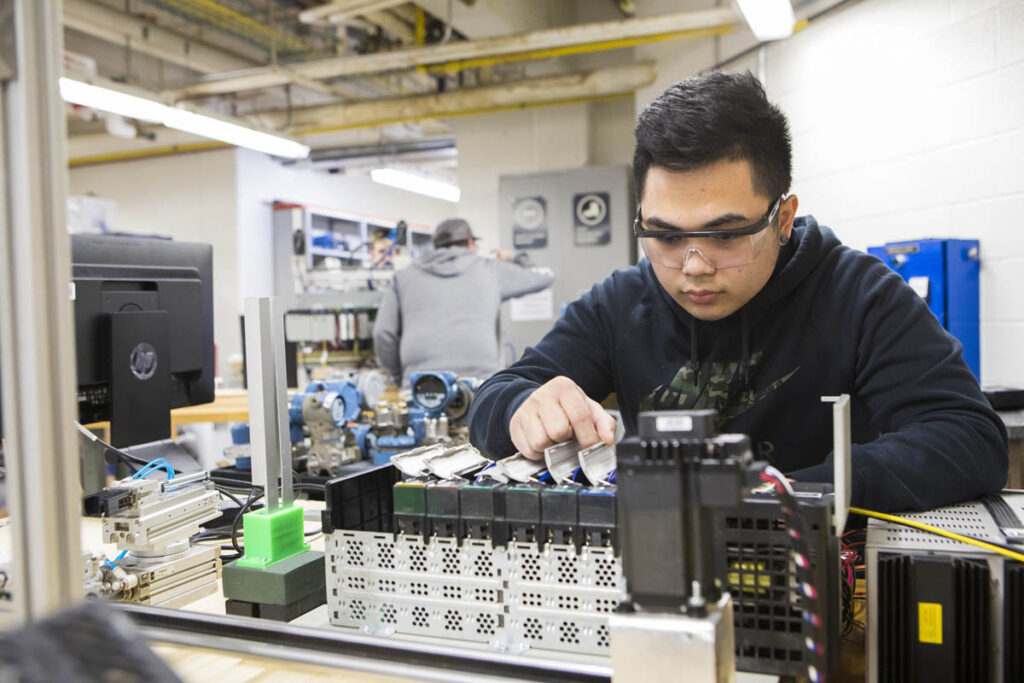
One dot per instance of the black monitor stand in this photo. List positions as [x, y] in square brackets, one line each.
[140, 377]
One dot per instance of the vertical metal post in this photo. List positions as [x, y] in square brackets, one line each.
[842, 449]
[36, 331]
[268, 415]
[284, 444]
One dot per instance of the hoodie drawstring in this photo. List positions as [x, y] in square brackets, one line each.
[693, 342]
[745, 345]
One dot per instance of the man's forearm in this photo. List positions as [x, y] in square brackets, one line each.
[923, 466]
[492, 410]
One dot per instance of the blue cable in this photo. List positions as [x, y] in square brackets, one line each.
[146, 471]
[148, 467]
[111, 564]
[154, 465]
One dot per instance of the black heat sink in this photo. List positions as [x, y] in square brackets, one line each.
[904, 581]
[1013, 622]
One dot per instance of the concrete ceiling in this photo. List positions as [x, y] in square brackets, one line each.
[285, 66]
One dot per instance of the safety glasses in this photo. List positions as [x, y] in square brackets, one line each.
[720, 248]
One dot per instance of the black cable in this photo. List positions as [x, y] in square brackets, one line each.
[240, 549]
[237, 484]
[224, 492]
[126, 458]
[238, 520]
[232, 483]
[847, 607]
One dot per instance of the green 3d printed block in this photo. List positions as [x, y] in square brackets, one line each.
[272, 536]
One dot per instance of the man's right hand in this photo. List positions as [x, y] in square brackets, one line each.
[556, 412]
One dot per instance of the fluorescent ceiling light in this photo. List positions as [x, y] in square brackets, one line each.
[112, 101]
[144, 109]
[414, 183]
[768, 19]
[234, 134]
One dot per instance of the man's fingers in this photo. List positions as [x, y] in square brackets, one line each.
[556, 424]
[529, 436]
[576, 407]
[557, 412]
[517, 435]
[605, 422]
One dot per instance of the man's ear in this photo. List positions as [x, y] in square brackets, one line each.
[787, 214]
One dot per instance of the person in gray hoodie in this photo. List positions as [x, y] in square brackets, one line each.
[441, 313]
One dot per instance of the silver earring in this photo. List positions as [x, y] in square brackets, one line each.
[784, 240]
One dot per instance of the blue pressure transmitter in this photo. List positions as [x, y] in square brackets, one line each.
[442, 393]
[433, 392]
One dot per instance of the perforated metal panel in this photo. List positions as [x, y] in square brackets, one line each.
[512, 599]
[982, 640]
[971, 519]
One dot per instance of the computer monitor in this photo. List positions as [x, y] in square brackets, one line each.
[144, 331]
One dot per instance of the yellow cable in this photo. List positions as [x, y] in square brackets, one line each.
[941, 532]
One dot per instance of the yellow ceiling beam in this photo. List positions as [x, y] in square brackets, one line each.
[130, 155]
[459, 65]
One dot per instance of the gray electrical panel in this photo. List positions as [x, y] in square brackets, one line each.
[575, 222]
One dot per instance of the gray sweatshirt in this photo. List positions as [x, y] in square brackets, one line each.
[442, 314]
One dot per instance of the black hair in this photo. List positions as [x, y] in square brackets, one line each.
[460, 243]
[711, 117]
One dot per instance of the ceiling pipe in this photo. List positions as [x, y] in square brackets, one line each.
[118, 28]
[226, 19]
[340, 10]
[391, 148]
[609, 82]
[393, 25]
[602, 35]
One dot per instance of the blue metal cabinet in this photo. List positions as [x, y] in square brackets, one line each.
[945, 273]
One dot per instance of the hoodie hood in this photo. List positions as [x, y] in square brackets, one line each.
[808, 245]
[448, 261]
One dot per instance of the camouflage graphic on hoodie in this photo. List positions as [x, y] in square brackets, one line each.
[723, 386]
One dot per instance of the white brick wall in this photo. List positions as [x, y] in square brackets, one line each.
[908, 122]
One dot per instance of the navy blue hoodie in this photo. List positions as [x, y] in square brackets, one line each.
[830, 320]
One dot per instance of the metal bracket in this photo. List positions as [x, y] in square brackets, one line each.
[841, 452]
[268, 401]
[8, 54]
[662, 647]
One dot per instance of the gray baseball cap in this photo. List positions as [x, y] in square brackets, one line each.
[452, 230]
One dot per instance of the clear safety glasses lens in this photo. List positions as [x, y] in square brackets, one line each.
[673, 250]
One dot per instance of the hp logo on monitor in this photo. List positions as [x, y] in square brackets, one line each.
[143, 361]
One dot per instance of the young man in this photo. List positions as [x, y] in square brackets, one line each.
[442, 312]
[743, 307]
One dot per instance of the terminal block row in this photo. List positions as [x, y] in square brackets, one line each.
[566, 514]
